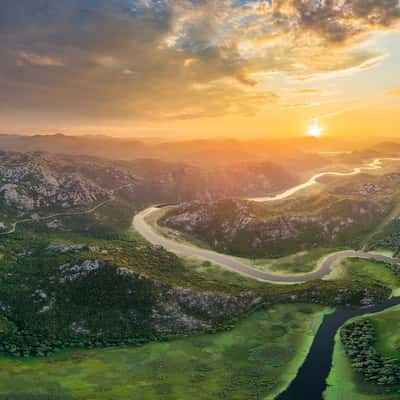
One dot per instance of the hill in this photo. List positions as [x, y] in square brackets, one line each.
[342, 215]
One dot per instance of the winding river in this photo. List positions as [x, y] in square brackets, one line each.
[310, 382]
[189, 250]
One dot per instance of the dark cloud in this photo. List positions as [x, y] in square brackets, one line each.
[336, 21]
[114, 58]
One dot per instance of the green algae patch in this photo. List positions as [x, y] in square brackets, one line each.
[255, 360]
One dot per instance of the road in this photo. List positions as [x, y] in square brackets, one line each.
[188, 250]
[63, 214]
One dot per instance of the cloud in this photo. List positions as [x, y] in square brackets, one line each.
[335, 22]
[296, 105]
[335, 113]
[155, 59]
[24, 58]
[393, 92]
[308, 91]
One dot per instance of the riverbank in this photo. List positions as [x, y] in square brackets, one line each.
[343, 383]
[318, 364]
[295, 365]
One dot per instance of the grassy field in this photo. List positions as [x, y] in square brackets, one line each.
[255, 360]
[362, 270]
[387, 327]
[343, 383]
[298, 263]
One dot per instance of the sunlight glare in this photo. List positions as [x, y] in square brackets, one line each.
[315, 130]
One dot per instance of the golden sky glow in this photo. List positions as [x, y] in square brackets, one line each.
[181, 68]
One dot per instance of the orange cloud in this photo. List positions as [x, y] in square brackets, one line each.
[393, 92]
[307, 91]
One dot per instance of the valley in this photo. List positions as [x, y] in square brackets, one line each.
[79, 282]
[299, 387]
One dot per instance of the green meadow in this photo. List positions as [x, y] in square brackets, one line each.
[255, 360]
[387, 326]
[366, 271]
[298, 263]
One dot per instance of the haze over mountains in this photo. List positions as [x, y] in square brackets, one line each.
[40, 173]
[209, 152]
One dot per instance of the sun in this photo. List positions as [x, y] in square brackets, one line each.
[315, 130]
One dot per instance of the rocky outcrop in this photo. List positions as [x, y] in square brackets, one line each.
[252, 229]
[35, 182]
[183, 310]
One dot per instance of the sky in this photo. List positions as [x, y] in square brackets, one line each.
[200, 68]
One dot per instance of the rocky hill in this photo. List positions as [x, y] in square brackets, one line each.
[176, 182]
[37, 183]
[57, 294]
[31, 182]
[343, 215]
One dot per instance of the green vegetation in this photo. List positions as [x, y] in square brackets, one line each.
[384, 336]
[109, 222]
[382, 234]
[263, 230]
[388, 238]
[344, 383]
[49, 307]
[255, 360]
[54, 300]
[298, 263]
[387, 328]
[358, 339]
[367, 271]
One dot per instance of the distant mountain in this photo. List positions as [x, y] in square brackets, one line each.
[203, 153]
[387, 148]
[100, 146]
[59, 172]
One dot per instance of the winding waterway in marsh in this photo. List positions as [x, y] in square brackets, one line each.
[310, 382]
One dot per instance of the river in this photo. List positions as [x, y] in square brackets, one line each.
[310, 381]
[376, 164]
[188, 250]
